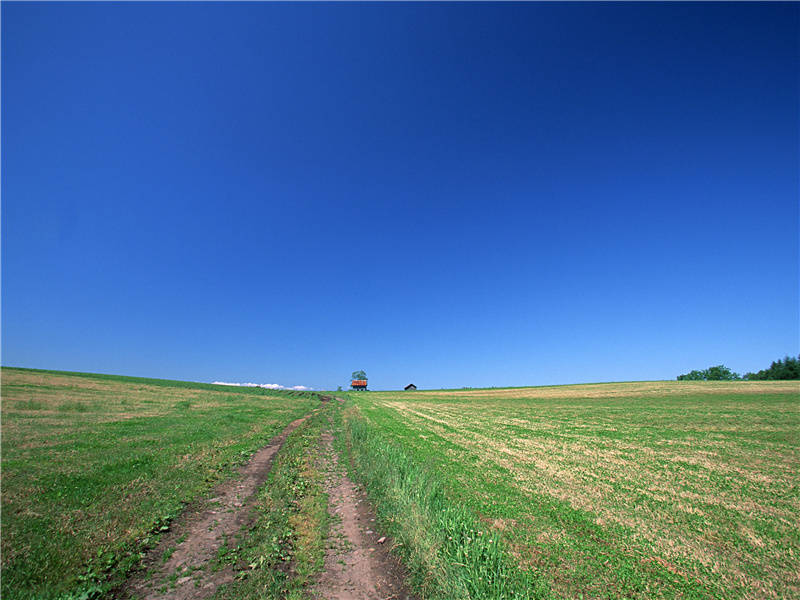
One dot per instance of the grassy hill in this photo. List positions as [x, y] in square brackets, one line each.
[95, 466]
[644, 490]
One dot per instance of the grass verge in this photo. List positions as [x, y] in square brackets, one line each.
[286, 546]
[449, 553]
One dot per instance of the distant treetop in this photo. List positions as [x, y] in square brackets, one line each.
[788, 368]
[718, 373]
[359, 375]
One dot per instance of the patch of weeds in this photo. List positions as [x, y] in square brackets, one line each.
[173, 577]
[226, 555]
[29, 405]
[78, 407]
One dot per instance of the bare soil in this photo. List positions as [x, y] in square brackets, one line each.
[180, 566]
[357, 566]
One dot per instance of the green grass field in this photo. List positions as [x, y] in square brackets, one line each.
[626, 490]
[632, 490]
[95, 466]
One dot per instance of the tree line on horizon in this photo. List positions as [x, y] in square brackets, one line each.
[781, 369]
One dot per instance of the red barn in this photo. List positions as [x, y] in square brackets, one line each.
[359, 384]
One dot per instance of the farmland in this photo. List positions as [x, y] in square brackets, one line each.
[95, 467]
[633, 490]
[629, 490]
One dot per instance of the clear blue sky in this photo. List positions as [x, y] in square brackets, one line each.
[449, 194]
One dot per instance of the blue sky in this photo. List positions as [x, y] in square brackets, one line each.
[449, 194]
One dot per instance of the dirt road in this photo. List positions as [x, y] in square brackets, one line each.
[175, 569]
[358, 562]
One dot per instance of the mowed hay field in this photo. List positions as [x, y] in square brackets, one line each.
[94, 467]
[630, 490]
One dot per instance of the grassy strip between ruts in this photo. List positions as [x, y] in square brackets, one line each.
[286, 546]
[449, 553]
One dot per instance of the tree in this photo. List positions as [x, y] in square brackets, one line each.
[788, 368]
[692, 376]
[721, 373]
[718, 373]
[359, 374]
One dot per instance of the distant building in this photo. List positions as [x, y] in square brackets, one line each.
[410, 387]
[359, 384]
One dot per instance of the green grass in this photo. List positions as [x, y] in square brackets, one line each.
[449, 552]
[640, 490]
[286, 546]
[627, 490]
[95, 467]
[170, 383]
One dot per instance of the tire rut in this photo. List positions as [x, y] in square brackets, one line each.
[198, 535]
[358, 561]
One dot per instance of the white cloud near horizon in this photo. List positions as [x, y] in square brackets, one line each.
[268, 386]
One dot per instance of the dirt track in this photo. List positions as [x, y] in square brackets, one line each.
[199, 534]
[358, 561]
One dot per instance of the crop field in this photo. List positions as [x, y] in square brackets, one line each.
[631, 490]
[95, 467]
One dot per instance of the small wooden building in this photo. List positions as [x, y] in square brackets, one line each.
[359, 384]
[410, 387]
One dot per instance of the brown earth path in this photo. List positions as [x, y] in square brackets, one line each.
[198, 535]
[358, 562]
